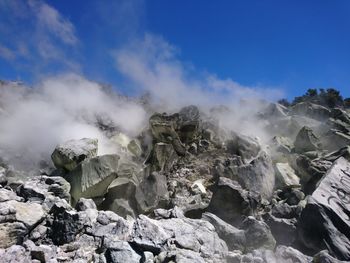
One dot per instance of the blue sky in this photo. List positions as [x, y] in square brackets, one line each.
[289, 45]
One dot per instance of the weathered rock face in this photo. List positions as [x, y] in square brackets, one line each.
[334, 139]
[257, 176]
[258, 234]
[325, 222]
[274, 111]
[285, 176]
[152, 192]
[188, 234]
[230, 202]
[163, 130]
[311, 110]
[121, 251]
[92, 177]
[234, 237]
[245, 147]
[306, 141]
[69, 154]
[164, 157]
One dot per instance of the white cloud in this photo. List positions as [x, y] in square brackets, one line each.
[153, 66]
[38, 35]
[34, 120]
[50, 20]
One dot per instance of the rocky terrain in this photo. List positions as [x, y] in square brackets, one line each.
[185, 189]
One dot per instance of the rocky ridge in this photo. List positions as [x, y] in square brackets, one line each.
[187, 190]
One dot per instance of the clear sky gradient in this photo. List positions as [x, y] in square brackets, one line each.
[291, 45]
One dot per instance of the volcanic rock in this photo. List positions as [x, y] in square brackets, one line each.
[325, 221]
[69, 154]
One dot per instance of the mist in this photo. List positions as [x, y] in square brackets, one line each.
[35, 119]
[69, 106]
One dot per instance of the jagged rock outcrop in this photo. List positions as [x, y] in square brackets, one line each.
[69, 154]
[188, 190]
[324, 222]
[92, 177]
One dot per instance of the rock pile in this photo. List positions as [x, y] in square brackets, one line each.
[186, 190]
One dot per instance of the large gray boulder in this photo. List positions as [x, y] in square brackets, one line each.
[164, 157]
[258, 234]
[311, 110]
[306, 141]
[120, 197]
[244, 146]
[283, 229]
[168, 234]
[92, 177]
[28, 213]
[285, 176]
[325, 223]
[38, 188]
[230, 202]
[257, 176]
[234, 237]
[152, 192]
[120, 251]
[69, 154]
[334, 140]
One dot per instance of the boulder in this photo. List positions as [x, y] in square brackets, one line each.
[230, 202]
[257, 176]
[188, 124]
[234, 237]
[325, 223]
[92, 177]
[164, 157]
[152, 192]
[163, 130]
[281, 144]
[306, 141]
[258, 234]
[6, 195]
[244, 146]
[64, 226]
[134, 147]
[286, 254]
[311, 110]
[12, 234]
[15, 254]
[283, 230]
[120, 197]
[120, 251]
[340, 114]
[333, 140]
[285, 176]
[37, 189]
[84, 204]
[110, 225]
[28, 213]
[69, 154]
[190, 234]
